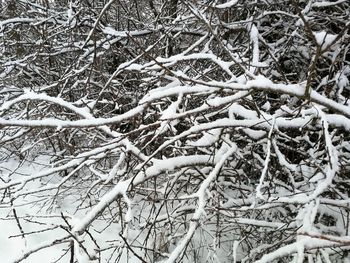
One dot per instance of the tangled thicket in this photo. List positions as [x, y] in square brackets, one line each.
[193, 131]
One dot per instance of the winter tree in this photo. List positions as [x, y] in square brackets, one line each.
[174, 131]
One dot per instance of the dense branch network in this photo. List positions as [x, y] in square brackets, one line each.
[177, 131]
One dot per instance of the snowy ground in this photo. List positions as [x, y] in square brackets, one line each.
[41, 224]
[41, 220]
[12, 243]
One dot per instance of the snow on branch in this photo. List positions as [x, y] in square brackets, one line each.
[174, 131]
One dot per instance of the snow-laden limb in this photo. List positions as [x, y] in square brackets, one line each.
[260, 83]
[307, 243]
[227, 4]
[254, 37]
[56, 123]
[327, 3]
[104, 9]
[306, 218]
[42, 245]
[341, 240]
[177, 252]
[113, 32]
[121, 188]
[329, 171]
[15, 20]
[201, 194]
[32, 96]
[333, 165]
[168, 62]
[168, 113]
[168, 165]
[266, 162]
[118, 191]
[228, 123]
